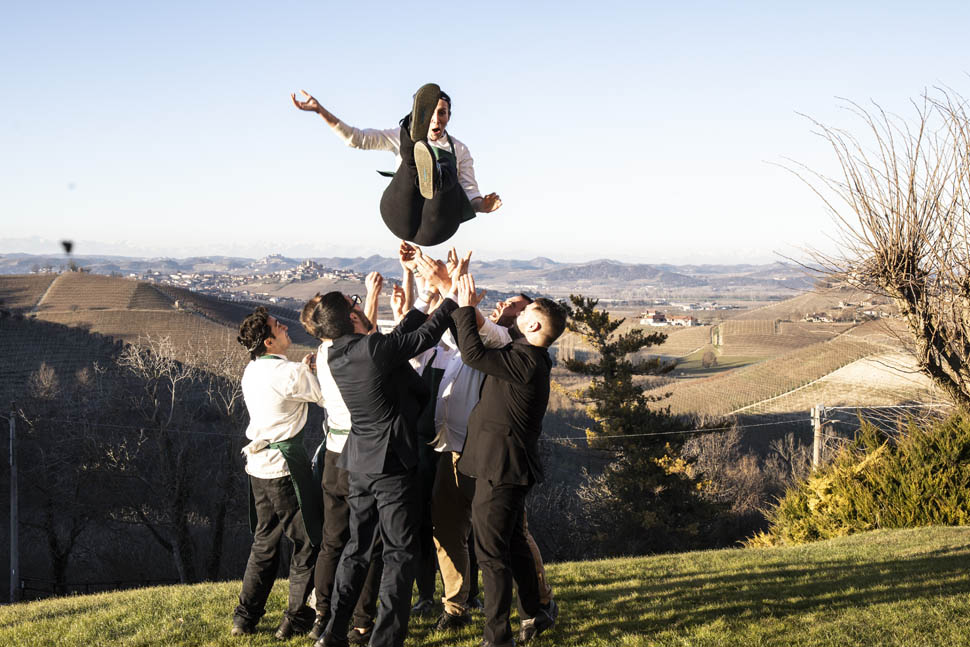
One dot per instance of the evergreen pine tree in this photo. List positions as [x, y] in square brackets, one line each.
[646, 500]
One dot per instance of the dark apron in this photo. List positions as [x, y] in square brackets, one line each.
[467, 211]
[308, 494]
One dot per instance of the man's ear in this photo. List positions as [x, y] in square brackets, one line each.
[534, 326]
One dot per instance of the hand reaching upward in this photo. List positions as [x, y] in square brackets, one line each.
[374, 283]
[467, 296]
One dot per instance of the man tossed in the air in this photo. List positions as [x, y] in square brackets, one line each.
[433, 190]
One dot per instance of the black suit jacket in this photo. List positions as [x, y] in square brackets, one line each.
[382, 392]
[504, 427]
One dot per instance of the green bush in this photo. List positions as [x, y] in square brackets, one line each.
[923, 479]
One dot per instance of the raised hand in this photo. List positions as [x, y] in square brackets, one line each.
[461, 267]
[374, 283]
[398, 302]
[489, 203]
[433, 272]
[467, 296]
[310, 105]
[406, 254]
[451, 262]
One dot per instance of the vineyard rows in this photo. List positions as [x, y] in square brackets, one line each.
[725, 392]
[78, 291]
[23, 292]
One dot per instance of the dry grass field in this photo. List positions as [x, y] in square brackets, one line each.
[887, 379]
[80, 291]
[727, 391]
[129, 311]
[23, 292]
[797, 307]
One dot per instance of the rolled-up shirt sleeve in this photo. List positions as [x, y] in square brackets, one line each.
[370, 139]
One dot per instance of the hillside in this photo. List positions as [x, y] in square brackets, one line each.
[901, 588]
[26, 344]
[127, 310]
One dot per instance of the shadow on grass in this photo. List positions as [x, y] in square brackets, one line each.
[685, 603]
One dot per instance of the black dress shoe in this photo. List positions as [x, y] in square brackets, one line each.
[532, 627]
[329, 640]
[289, 628]
[423, 607]
[242, 627]
[355, 637]
[319, 626]
[452, 622]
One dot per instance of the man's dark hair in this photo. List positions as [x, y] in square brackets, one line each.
[306, 316]
[329, 317]
[525, 296]
[554, 316]
[447, 99]
[254, 332]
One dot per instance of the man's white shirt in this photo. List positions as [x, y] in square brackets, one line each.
[338, 417]
[276, 392]
[389, 140]
[461, 387]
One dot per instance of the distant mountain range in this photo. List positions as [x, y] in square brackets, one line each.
[605, 277]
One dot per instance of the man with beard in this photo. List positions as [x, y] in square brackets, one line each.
[501, 453]
[384, 396]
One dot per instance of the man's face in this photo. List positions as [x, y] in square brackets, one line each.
[280, 340]
[506, 311]
[356, 310]
[525, 317]
[439, 121]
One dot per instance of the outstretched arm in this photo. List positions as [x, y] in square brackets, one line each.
[366, 139]
[501, 362]
[374, 283]
[312, 105]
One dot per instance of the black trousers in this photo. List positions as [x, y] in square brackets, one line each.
[277, 514]
[408, 215]
[426, 566]
[385, 504]
[336, 534]
[503, 555]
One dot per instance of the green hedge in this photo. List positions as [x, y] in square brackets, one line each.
[921, 480]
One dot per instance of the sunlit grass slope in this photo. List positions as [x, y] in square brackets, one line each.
[902, 587]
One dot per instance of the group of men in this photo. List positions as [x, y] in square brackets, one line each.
[447, 378]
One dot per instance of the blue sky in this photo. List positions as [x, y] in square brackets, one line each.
[638, 131]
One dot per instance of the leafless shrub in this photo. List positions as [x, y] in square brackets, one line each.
[901, 203]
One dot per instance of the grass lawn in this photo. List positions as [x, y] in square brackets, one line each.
[901, 587]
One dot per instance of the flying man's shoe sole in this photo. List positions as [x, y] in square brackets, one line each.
[424, 162]
[425, 102]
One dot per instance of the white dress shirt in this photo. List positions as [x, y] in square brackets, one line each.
[276, 392]
[460, 388]
[338, 417]
[389, 140]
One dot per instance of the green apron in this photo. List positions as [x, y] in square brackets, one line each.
[467, 211]
[308, 494]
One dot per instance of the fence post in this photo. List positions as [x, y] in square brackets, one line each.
[14, 521]
[817, 435]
